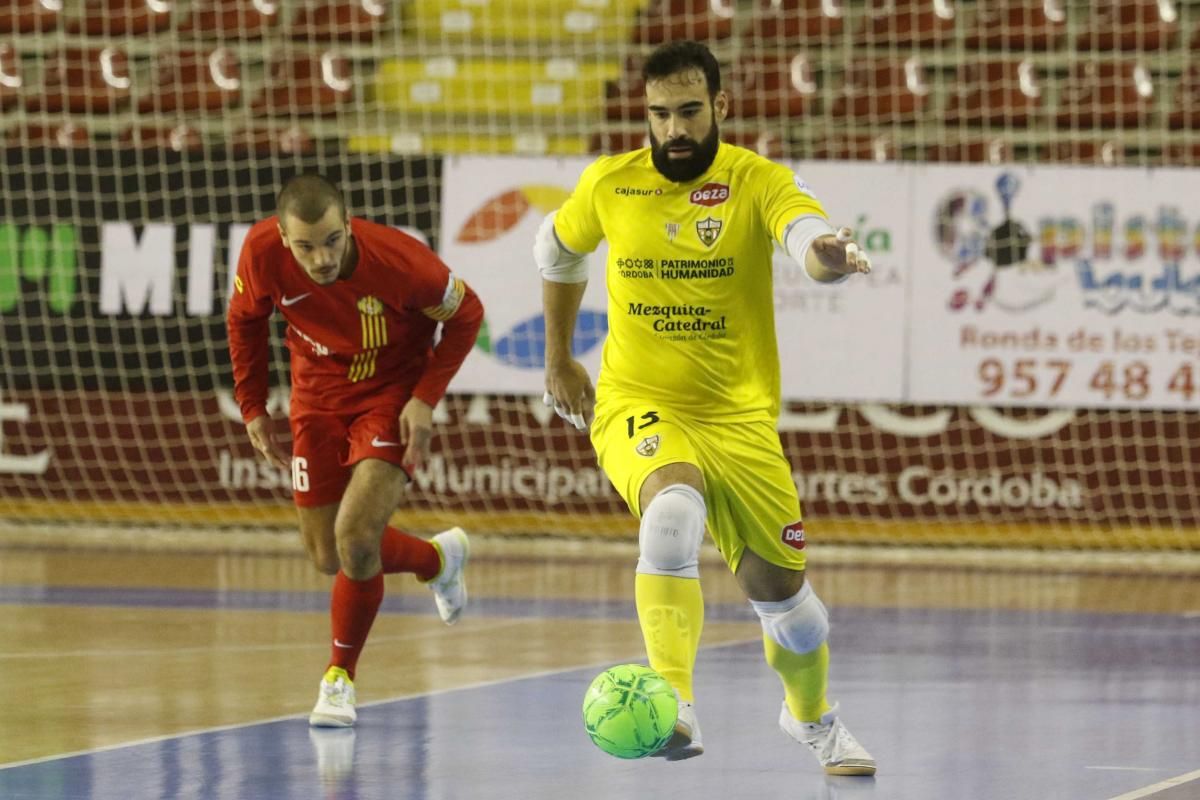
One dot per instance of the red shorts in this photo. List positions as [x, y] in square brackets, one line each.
[325, 448]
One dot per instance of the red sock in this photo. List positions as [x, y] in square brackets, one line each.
[403, 552]
[353, 608]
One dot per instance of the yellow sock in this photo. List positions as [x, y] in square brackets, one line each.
[671, 613]
[804, 678]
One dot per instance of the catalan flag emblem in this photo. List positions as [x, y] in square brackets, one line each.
[451, 300]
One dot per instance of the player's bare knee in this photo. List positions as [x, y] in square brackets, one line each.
[359, 557]
[799, 624]
[327, 563]
[671, 532]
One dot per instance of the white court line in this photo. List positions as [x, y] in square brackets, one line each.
[1178, 780]
[1126, 769]
[478, 685]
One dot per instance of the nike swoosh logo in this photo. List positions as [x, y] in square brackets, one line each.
[377, 442]
[336, 643]
[287, 301]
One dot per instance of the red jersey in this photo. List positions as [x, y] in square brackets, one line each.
[356, 342]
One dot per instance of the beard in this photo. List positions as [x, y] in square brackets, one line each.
[682, 170]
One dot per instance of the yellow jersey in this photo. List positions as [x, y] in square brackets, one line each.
[691, 309]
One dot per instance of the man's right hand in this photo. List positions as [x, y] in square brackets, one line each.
[262, 435]
[570, 392]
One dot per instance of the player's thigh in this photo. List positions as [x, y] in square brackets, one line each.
[320, 470]
[635, 440]
[377, 483]
[317, 532]
[752, 498]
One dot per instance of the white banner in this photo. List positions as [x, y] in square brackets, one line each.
[1055, 286]
[1001, 286]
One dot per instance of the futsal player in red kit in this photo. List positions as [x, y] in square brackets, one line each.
[363, 302]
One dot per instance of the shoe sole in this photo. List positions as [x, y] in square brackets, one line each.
[325, 721]
[462, 566]
[680, 747]
[851, 769]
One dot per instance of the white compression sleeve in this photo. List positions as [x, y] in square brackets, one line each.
[556, 263]
[799, 236]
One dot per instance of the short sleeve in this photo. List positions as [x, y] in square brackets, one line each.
[784, 197]
[577, 224]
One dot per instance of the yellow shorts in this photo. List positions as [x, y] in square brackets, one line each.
[748, 487]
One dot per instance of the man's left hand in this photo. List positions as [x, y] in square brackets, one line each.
[416, 430]
[839, 253]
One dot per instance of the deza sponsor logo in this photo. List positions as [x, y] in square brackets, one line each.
[710, 194]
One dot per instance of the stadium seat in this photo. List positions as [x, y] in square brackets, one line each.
[907, 23]
[1005, 93]
[339, 20]
[231, 19]
[1018, 25]
[1099, 152]
[58, 134]
[625, 96]
[550, 21]
[793, 22]
[1185, 111]
[29, 16]
[856, 148]
[193, 80]
[181, 138]
[11, 81]
[272, 142]
[532, 87]
[1106, 94]
[768, 144]
[667, 20]
[1182, 155]
[991, 150]
[312, 84]
[883, 91]
[770, 86]
[95, 80]
[1130, 25]
[121, 17]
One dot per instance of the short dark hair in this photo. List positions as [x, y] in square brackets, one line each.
[308, 196]
[675, 57]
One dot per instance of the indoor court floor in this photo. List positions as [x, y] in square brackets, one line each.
[138, 675]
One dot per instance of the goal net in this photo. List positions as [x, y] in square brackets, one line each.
[1018, 370]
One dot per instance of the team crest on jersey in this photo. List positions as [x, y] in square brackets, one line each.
[648, 446]
[793, 535]
[672, 231]
[708, 229]
[370, 306]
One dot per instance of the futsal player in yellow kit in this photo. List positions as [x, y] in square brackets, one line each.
[683, 417]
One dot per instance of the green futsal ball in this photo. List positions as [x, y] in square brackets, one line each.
[629, 711]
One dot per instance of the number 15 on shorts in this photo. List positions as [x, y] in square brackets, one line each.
[634, 424]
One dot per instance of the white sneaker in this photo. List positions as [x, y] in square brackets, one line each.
[685, 743]
[335, 701]
[449, 587]
[335, 754]
[834, 746]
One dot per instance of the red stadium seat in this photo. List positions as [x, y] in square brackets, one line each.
[1182, 155]
[770, 87]
[11, 82]
[1018, 25]
[996, 93]
[272, 142]
[121, 17]
[59, 134]
[313, 84]
[1131, 25]
[1107, 94]
[231, 19]
[340, 20]
[856, 148]
[1185, 112]
[80, 81]
[973, 151]
[887, 90]
[667, 20]
[194, 80]
[180, 138]
[907, 23]
[794, 22]
[29, 16]
[1100, 152]
[625, 98]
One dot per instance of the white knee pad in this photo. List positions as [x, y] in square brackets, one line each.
[799, 624]
[671, 533]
